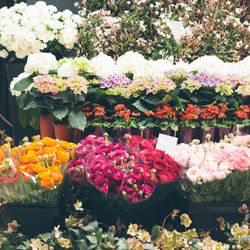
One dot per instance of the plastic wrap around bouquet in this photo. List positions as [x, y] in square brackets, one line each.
[32, 174]
[123, 174]
[214, 172]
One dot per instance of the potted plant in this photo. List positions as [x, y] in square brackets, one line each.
[32, 182]
[52, 92]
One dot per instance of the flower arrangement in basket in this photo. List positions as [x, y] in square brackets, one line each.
[32, 174]
[123, 174]
[214, 172]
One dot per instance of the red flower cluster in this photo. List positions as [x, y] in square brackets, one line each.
[213, 111]
[191, 113]
[165, 112]
[243, 112]
[122, 111]
[132, 169]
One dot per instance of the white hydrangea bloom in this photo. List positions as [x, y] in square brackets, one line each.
[68, 69]
[104, 65]
[27, 29]
[131, 62]
[40, 62]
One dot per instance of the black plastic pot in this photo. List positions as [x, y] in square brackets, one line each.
[204, 215]
[33, 219]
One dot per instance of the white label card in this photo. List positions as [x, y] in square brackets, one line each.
[166, 143]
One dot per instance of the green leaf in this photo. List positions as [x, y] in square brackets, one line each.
[34, 123]
[77, 119]
[151, 99]
[122, 244]
[81, 244]
[156, 232]
[23, 117]
[23, 84]
[76, 232]
[32, 105]
[91, 227]
[60, 112]
[140, 106]
[92, 239]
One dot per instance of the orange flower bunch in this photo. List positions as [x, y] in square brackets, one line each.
[191, 113]
[43, 159]
[122, 111]
[165, 112]
[213, 111]
[243, 112]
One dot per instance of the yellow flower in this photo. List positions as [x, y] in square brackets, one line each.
[132, 229]
[78, 206]
[36, 244]
[144, 236]
[222, 223]
[185, 220]
[135, 244]
[64, 243]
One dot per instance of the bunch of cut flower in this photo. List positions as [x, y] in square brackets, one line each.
[33, 173]
[214, 172]
[123, 174]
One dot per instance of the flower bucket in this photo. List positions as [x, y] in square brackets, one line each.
[204, 215]
[185, 135]
[221, 132]
[168, 131]
[203, 134]
[46, 126]
[33, 219]
[63, 132]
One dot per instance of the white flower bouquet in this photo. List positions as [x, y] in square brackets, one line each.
[27, 29]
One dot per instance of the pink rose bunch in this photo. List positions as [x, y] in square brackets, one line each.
[208, 162]
[132, 169]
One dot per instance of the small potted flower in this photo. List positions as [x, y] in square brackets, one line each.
[55, 89]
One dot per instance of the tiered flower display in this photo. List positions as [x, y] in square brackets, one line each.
[213, 172]
[33, 173]
[134, 170]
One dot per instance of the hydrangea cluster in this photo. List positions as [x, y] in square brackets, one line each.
[207, 79]
[115, 81]
[73, 67]
[27, 29]
[150, 85]
[54, 84]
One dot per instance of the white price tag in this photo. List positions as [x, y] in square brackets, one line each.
[166, 143]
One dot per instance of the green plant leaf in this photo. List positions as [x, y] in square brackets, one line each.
[122, 244]
[82, 244]
[23, 117]
[32, 105]
[77, 119]
[92, 239]
[91, 227]
[156, 232]
[23, 84]
[140, 106]
[60, 112]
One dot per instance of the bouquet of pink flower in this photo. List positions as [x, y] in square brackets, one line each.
[213, 172]
[123, 173]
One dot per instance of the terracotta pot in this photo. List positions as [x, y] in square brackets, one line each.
[185, 135]
[77, 135]
[121, 132]
[46, 126]
[148, 133]
[63, 132]
[221, 132]
[203, 134]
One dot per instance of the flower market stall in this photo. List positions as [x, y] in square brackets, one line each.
[142, 111]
